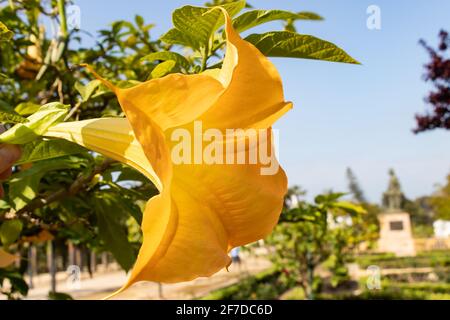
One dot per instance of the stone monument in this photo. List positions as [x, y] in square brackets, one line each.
[395, 224]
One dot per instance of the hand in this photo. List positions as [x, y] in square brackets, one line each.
[8, 155]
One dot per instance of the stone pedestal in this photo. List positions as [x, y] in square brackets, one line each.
[395, 234]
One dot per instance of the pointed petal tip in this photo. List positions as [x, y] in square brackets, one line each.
[108, 84]
[127, 285]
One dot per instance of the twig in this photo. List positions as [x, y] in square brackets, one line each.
[60, 91]
[73, 110]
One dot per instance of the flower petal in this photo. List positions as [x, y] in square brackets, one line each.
[112, 137]
[205, 212]
[254, 95]
[194, 243]
[247, 202]
[171, 101]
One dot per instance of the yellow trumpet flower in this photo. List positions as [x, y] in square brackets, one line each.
[203, 210]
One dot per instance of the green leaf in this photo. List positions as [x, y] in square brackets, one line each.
[139, 21]
[175, 36]
[10, 231]
[48, 149]
[38, 123]
[349, 207]
[117, 26]
[24, 186]
[4, 205]
[128, 198]
[195, 25]
[294, 45]
[4, 106]
[167, 56]
[86, 91]
[254, 18]
[111, 231]
[27, 108]
[127, 173]
[11, 117]
[328, 198]
[132, 209]
[305, 15]
[5, 33]
[163, 69]
[59, 296]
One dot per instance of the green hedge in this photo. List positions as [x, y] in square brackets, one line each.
[267, 285]
[426, 259]
[429, 287]
[439, 275]
[402, 291]
[397, 291]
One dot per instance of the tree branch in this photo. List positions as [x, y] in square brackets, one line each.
[80, 184]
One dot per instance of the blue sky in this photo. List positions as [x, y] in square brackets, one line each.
[344, 115]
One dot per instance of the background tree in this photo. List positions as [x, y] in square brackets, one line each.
[310, 234]
[438, 72]
[372, 210]
[354, 187]
[422, 216]
[440, 202]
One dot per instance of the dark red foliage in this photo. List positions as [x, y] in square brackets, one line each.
[438, 72]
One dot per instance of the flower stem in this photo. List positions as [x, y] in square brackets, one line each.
[63, 18]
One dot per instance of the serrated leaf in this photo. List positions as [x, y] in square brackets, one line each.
[11, 117]
[111, 231]
[167, 56]
[294, 45]
[10, 231]
[86, 91]
[48, 149]
[163, 69]
[24, 186]
[196, 25]
[5, 33]
[37, 124]
[27, 108]
[254, 18]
